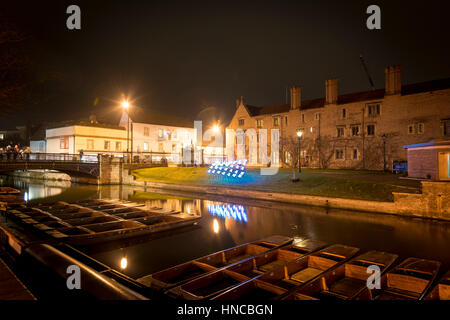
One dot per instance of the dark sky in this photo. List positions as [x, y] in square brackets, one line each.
[181, 57]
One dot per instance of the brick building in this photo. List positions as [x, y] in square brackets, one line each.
[357, 130]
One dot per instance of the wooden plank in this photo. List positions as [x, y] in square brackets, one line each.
[11, 288]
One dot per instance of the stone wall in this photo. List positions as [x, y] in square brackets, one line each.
[423, 163]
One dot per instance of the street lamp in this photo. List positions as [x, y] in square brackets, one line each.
[299, 136]
[126, 107]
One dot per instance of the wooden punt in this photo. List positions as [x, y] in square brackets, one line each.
[8, 191]
[76, 224]
[182, 273]
[346, 281]
[291, 276]
[441, 290]
[410, 280]
[214, 283]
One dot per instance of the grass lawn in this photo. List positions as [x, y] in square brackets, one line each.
[366, 185]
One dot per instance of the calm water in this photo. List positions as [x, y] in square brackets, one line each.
[246, 221]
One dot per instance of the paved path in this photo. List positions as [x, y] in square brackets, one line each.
[11, 288]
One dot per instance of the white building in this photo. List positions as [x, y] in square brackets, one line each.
[159, 137]
[92, 138]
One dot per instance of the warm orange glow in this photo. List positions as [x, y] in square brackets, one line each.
[299, 133]
[216, 226]
[125, 104]
[216, 128]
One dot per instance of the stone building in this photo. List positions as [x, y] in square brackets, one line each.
[364, 130]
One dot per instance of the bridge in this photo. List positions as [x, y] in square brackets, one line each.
[88, 166]
[95, 169]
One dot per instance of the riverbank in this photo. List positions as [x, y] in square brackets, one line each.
[433, 202]
[347, 184]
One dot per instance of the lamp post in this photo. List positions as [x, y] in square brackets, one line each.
[299, 136]
[126, 106]
[384, 151]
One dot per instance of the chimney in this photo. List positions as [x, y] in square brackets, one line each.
[393, 83]
[331, 91]
[296, 97]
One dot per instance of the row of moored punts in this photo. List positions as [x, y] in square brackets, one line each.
[278, 268]
[93, 221]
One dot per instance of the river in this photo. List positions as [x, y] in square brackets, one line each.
[229, 222]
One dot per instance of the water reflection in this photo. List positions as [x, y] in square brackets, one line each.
[36, 189]
[123, 263]
[216, 226]
[227, 211]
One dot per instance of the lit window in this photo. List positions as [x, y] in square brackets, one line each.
[160, 133]
[118, 146]
[276, 121]
[355, 131]
[371, 130]
[2, 136]
[107, 144]
[340, 132]
[420, 128]
[64, 143]
[339, 154]
[311, 129]
[259, 123]
[145, 146]
[317, 116]
[241, 122]
[160, 147]
[146, 131]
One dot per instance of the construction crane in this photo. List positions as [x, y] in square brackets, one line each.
[367, 72]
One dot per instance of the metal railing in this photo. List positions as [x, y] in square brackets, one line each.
[47, 157]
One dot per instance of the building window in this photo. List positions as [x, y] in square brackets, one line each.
[90, 144]
[410, 129]
[344, 113]
[311, 129]
[374, 109]
[174, 135]
[420, 128]
[371, 130]
[276, 121]
[174, 147]
[355, 154]
[355, 131]
[340, 132]
[317, 116]
[339, 154]
[285, 120]
[160, 147]
[146, 131]
[446, 128]
[303, 118]
[2, 136]
[64, 143]
[107, 144]
[118, 146]
[160, 133]
[259, 123]
[241, 122]
[145, 146]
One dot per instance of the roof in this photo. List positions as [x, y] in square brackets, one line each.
[428, 144]
[427, 86]
[84, 124]
[140, 115]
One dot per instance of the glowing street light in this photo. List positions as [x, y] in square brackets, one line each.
[299, 136]
[126, 106]
[216, 128]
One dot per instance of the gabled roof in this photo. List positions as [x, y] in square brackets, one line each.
[427, 86]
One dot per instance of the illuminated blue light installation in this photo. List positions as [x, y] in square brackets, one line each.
[228, 211]
[232, 169]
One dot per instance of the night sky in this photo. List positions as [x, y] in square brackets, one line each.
[193, 59]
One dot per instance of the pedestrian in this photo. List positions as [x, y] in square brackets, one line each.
[27, 153]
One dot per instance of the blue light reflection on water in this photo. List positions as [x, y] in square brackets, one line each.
[228, 211]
